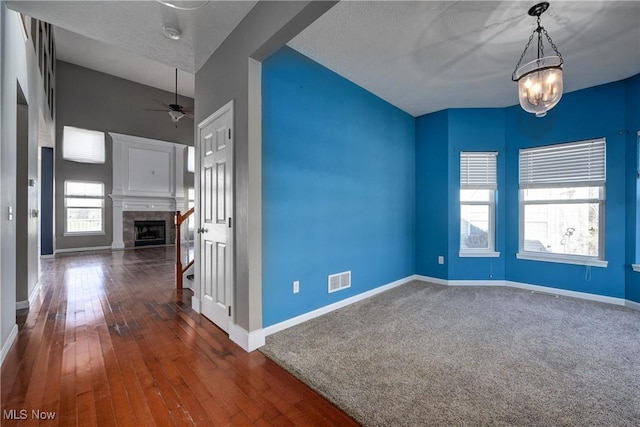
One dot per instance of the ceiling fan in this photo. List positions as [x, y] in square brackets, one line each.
[175, 110]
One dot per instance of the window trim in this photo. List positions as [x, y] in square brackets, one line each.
[490, 251]
[67, 233]
[588, 260]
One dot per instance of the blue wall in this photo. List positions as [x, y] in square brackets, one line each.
[575, 118]
[352, 183]
[432, 193]
[633, 190]
[443, 135]
[338, 187]
[475, 130]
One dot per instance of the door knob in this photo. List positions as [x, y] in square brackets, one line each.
[202, 230]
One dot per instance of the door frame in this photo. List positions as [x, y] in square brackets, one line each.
[197, 264]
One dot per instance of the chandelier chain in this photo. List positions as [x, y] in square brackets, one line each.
[513, 75]
[553, 46]
[540, 30]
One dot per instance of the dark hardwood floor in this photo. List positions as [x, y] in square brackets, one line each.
[110, 342]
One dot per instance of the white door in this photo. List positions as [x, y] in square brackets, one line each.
[216, 191]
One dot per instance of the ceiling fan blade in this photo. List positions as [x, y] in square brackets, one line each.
[154, 109]
[188, 115]
[163, 104]
[187, 109]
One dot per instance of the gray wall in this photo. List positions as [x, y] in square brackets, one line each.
[225, 77]
[18, 66]
[92, 100]
[22, 200]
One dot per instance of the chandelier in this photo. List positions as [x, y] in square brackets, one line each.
[539, 81]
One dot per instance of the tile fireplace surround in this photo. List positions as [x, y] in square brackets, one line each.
[129, 218]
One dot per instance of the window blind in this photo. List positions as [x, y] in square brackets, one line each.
[191, 159]
[580, 163]
[83, 146]
[478, 170]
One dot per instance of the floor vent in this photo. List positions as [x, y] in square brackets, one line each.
[339, 281]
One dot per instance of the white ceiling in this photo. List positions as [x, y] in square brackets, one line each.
[125, 38]
[109, 59]
[432, 55]
[421, 56]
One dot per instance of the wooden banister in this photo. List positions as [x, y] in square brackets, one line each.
[179, 270]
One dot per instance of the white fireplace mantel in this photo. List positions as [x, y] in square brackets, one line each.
[148, 175]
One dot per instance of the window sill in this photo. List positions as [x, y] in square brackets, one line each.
[636, 267]
[478, 254]
[563, 259]
[88, 233]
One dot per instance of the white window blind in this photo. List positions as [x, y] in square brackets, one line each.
[191, 159]
[580, 163]
[478, 170]
[82, 145]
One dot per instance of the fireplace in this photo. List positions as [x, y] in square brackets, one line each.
[149, 233]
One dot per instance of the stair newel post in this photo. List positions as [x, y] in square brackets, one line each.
[178, 248]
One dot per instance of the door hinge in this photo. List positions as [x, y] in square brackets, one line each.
[229, 311]
[229, 222]
[229, 133]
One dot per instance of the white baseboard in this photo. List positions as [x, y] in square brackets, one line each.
[566, 293]
[35, 292]
[435, 280]
[527, 286]
[248, 341]
[93, 248]
[6, 346]
[632, 304]
[269, 330]
[195, 304]
[48, 256]
[20, 305]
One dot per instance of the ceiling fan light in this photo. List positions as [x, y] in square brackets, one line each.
[176, 115]
[184, 4]
[172, 32]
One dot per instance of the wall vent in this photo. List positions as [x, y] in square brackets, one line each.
[339, 281]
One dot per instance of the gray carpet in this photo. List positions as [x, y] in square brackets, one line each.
[424, 354]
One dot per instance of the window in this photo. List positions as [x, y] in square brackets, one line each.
[477, 203]
[191, 159]
[562, 195]
[82, 146]
[191, 200]
[84, 207]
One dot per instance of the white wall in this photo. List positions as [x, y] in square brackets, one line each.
[18, 64]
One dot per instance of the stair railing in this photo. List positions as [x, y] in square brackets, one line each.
[181, 219]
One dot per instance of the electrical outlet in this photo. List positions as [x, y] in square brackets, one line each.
[296, 287]
[440, 259]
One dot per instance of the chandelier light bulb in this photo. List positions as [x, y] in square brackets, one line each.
[540, 82]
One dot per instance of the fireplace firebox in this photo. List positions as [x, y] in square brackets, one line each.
[149, 233]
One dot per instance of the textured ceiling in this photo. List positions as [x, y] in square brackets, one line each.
[125, 38]
[118, 62]
[428, 56]
[421, 56]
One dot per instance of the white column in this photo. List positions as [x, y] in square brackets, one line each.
[118, 242]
